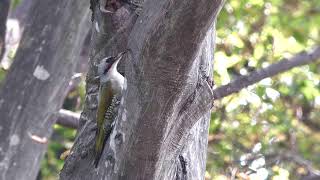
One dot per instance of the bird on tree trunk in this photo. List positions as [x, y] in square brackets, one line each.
[110, 90]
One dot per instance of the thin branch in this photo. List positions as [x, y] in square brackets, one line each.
[299, 59]
[303, 115]
[68, 118]
[74, 82]
[294, 158]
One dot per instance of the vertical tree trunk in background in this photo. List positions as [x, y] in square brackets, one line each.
[34, 88]
[162, 127]
[18, 17]
[4, 9]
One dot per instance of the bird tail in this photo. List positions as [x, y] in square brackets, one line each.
[101, 138]
[99, 145]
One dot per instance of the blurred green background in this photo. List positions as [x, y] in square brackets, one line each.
[270, 130]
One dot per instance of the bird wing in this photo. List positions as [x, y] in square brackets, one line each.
[105, 99]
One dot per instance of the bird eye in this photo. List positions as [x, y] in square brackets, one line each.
[109, 60]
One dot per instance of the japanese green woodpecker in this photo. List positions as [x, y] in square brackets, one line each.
[111, 85]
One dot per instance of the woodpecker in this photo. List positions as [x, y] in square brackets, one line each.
[110, 90]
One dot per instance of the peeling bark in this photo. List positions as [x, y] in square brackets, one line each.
[162, 127]
[34, 88]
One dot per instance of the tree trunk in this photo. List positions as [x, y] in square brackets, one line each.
[4, 9]
[19, 14]
[34, 88]
[162, 127]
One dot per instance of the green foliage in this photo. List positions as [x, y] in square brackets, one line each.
[2, 75]
[267, 121]
[62, 140]
[270, 119]
[15, 3]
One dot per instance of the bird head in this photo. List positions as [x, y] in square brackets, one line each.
[108, 62]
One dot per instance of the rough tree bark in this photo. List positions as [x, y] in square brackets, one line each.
[4, 10]
[34, 88]
[162, 127]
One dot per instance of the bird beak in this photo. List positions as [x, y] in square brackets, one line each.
[120, 55]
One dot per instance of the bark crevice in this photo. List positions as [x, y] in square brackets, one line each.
[166, 104]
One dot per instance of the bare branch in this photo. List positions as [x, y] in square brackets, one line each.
[299, 59]
[294, 158]
[68, 119]
[74, 82]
